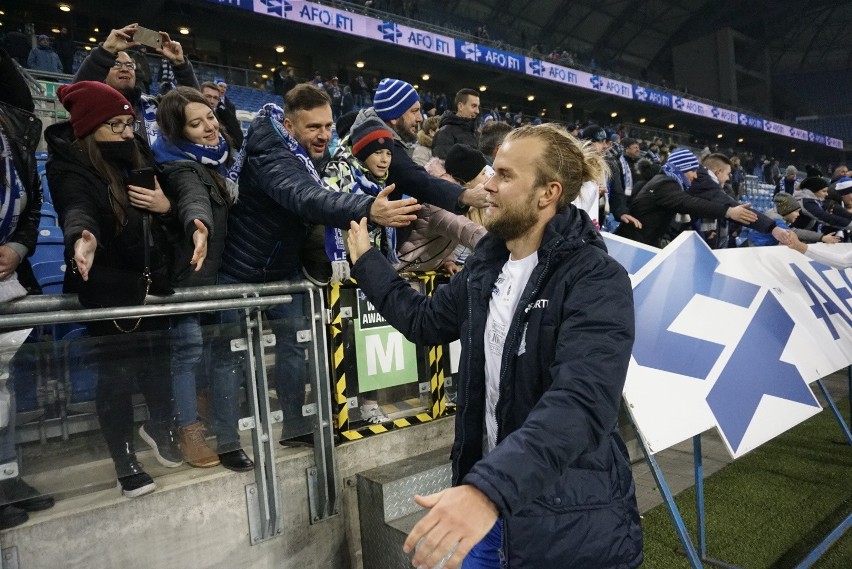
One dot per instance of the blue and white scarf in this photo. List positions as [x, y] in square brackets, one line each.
[13, 196]
[347, 174]
[627, 180]
[214, 156]
[674, 172]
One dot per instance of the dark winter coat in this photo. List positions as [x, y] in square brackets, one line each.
[82, 200]
[22, 130]
[231, 124]
[815, 217]
[707, 188]
[278, 203]
[184, 177]
[656, 205]
[454, 130]
[560, 475]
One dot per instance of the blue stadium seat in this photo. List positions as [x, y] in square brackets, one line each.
[49, 217]
[50, 275]
[46, 197]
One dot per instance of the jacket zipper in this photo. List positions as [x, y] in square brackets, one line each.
[467, 365]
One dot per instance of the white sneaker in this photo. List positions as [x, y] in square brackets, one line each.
[373, 414]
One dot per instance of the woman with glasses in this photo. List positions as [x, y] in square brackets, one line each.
[194, 156]
[113, 229]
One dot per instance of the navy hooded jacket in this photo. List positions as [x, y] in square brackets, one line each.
[560, 475]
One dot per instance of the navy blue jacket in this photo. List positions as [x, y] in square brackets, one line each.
[560, 475]
[278, 202]
[705, 187]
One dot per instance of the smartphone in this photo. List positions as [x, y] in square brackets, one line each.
[144, 178]
[148, 37]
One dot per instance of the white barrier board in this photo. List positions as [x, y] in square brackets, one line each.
[730, 339]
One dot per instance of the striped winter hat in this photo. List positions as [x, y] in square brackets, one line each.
[393, 98]
[843, 186]
[683, 159]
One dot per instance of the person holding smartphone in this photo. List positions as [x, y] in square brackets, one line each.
[106, 223]
[112, 64]
[195, 155]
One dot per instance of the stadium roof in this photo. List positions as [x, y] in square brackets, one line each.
[799, 36]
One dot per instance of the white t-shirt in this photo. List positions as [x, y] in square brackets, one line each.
[501, 309]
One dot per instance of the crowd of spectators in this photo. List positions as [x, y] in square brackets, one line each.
[219, 209]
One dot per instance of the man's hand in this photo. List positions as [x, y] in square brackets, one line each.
[627, 218]
[358, 240]
[476, 196]
[459, 518]
[450, 267]
[741, 214]
[830, 238]
[199, 239]
[121, 39]
[154, 200]
[396, 213]
[171, 50]
[9, 261]
[782, 235]
[84, 253]
[794, 243]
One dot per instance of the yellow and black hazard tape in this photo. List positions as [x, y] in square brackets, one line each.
[337, 359]
[436, 358]
[372, 430]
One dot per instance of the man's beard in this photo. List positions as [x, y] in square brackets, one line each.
[404, 132]
[513, 221]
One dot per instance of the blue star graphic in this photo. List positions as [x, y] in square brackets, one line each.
[754, 370]
[661, 297]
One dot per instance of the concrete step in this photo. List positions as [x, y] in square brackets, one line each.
[386, 504]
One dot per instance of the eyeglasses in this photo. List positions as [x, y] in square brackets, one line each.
[128, 64]
[118, 127]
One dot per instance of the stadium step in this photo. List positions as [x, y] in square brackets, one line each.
[386, 504]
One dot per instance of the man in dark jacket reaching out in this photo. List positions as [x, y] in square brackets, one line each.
[541, 477]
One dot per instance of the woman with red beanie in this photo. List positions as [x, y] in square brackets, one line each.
[113, 229]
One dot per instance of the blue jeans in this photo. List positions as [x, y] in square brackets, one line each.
[290, 373]
[190, 359]
[487, 553]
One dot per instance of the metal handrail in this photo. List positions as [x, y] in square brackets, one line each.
[53, 309]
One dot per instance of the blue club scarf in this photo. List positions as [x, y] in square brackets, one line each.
[213, 156]
[347, 174]
[13, 195]
[674, 172]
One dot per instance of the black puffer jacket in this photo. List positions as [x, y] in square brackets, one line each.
[278, 202]
[656, 205]
[560, 475]
[181, 180]
[705, 187]
[454, 130]
[22, 129]
[82, 200]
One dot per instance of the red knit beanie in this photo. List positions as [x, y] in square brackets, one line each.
[92, 103]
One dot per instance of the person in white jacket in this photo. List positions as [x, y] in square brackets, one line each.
[838, 255]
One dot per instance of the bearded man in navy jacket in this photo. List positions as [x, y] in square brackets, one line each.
[541, 477]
